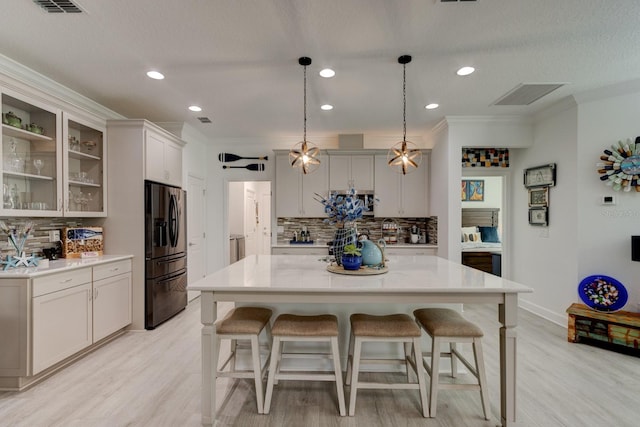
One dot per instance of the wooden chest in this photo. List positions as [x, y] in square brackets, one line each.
[620, 328]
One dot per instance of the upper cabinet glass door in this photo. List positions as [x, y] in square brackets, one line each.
[31, 157]
[84, 162]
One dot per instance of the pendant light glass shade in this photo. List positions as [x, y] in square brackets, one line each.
[304, 154]
[404, 156]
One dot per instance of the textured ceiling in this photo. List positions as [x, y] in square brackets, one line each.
[238, 59]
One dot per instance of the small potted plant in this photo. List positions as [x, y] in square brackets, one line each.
[351, 257]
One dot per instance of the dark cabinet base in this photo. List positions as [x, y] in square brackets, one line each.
[488, 262]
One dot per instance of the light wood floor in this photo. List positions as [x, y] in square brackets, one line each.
[153, 379]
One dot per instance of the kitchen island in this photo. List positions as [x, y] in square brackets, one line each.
[302, 279]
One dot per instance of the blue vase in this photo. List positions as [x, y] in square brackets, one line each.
[343, 237]
[351, 262]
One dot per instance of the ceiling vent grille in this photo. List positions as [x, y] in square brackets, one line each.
[204, 119]
[527, 93]
[58, 6]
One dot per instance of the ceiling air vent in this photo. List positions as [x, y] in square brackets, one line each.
[204, 119]
[58, 6]
[526, 93]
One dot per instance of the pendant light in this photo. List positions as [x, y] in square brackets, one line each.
[404, 156]
[304, 154]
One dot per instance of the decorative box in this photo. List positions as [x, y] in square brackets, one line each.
[82, 242]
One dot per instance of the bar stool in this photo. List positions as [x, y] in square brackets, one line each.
[447, 325]
[290, 327]
[390, 328]
[245, 323]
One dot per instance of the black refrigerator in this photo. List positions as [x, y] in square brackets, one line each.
[165, 252]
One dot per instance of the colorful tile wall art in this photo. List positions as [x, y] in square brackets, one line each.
[485, 157]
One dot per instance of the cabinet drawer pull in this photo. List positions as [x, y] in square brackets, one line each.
[115, 269]
[66, 281]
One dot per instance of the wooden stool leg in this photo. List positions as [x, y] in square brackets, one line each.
[257, 372]
[417, 353]
[233, 346]
[355, 369]
[275, 350]
[407, 356]
[338, 371]
[454, 360]
[435, 373]
[482, 379]
[349, 360]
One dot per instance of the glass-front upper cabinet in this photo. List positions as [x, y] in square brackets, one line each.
[85, 163]
[31, 157]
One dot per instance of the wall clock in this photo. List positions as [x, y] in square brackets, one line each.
[620, 166]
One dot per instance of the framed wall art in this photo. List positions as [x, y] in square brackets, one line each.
[539, 216]
[540, 176]
[539, 196]
[472, 190]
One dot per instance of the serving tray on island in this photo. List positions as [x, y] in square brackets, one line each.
[362, 271]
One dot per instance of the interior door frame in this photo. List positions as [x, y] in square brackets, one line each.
[225, 211]
[505, 174]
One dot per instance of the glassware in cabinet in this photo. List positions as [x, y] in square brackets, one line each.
[84, 167]
[31, 158]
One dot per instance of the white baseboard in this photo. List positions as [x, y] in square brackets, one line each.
[558, 319]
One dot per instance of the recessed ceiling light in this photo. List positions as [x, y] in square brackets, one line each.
[465, 71]
[326, 107]
[155, 75]
[431, 106]
[327, 72]
[195, 108]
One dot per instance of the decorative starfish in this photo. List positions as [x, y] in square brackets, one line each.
[23, 259]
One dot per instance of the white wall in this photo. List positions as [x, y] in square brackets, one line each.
[544, 258]
[604, 242]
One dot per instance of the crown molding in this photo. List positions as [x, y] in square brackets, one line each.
[25, 80]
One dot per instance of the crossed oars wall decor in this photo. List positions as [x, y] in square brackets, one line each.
[229, 157]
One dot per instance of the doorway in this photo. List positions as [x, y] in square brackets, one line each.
[249, 215]
[196, 249]
[494, 191]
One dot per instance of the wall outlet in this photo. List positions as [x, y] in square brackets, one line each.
[54, 236]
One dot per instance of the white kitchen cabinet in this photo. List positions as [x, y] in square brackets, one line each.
[163, 158]
[53, 162]
[401, 196]
[296, 192]
[346, 171]
[31, 157]
[61, 325]
[111, 298]
[51, 317]
[85, 166]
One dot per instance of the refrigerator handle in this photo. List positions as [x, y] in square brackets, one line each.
[173, 221]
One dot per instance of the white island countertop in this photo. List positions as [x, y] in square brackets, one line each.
[305, 272]
[59, 265]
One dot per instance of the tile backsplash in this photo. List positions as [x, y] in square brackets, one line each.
[322, 232]
[39, 237]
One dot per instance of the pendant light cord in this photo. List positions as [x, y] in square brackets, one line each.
[404, 102]
[305, 104]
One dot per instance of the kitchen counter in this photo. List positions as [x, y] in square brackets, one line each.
[55, 314]
[59, 265]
